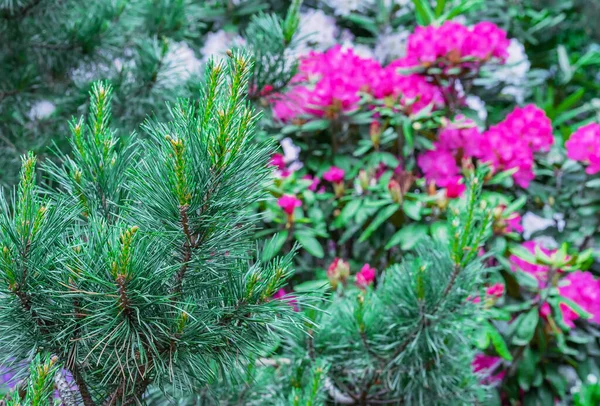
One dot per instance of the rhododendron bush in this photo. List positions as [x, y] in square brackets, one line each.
[385, 148]
[429, 229]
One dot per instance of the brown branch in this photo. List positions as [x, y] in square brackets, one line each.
[124, 303]
[86, 396]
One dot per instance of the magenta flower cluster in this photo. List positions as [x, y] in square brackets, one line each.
[453, 43]
[584, 146]
[331, 82]
[510, 144]
[580, 287]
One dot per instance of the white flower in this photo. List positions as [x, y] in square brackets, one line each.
[475, 103]
[592, 379]
[181, 62]
[347, 41]
[41, 109]
[291, 151]
[316, 31]
[533, 223]
[513, 74]
[217, 43]
[391, 46]
[345, 7]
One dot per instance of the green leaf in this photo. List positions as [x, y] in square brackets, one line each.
[425, 14]
[526, 325]
[499, 343]
[364, 22]
[516, 205]
[564, 63]
[440, 231]
[408, 236]
[523, 253]
[593, 184]
[412, 209]
[440, 7]
[347, 213]
[310, 244]
[382, 216]
[273, 246]
[500, 177]
[527, 368]
[312, 286]
[575, 307]
[316, 125]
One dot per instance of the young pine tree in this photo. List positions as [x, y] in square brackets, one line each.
[138, 270]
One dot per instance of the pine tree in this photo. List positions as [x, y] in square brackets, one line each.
[407, 340]
[138, 270]
[149, 50]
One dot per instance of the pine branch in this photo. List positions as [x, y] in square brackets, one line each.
[20, 12]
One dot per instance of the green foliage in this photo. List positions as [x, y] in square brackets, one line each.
[408, 339]
[148, 50]
[138, 272]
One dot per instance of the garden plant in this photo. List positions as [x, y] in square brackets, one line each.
[328, 202]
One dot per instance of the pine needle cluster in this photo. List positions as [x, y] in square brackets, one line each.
[138, 270]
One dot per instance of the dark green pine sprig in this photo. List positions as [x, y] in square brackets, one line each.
[137, 270]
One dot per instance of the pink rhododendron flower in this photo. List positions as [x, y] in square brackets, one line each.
[460, 136]
[366, 276]
[452, 41]
[504, 224]
[511, 143]
[330, 82]
[315, 182]
[288, 203]
[334, 175]
[289, 105]
[455, 188]
[493, 292]
[411, 91]
[584, 146]
[532, 125]
[514, 223]
[487, 366]
[439, 166]
[277, 161]
[583, 289]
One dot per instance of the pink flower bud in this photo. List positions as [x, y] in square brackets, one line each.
[338, 271]
[365, 277]
[288, 203]
[395, 191]
[334, 175]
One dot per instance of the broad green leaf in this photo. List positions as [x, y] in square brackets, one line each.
[316, 125]
[526, 325]
[347, 213]
[440, 231]
[499, 343]
[310, 244]
[424, 12]
[516, 205]
[273, 246]
[381, 217]
[312, 286]
[412, 209]
[408, 236]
